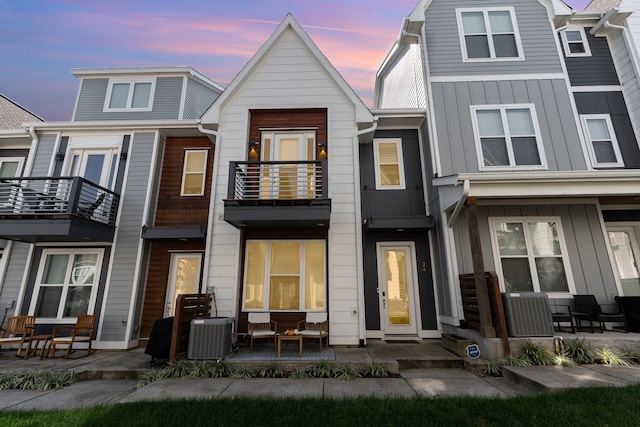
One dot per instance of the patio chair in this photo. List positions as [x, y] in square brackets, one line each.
[82, 332]
[261, 326]
[587, 308]
[315, 326]
[562, 313]
[18, 331]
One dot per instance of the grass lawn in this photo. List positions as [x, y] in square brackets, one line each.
[613, 406]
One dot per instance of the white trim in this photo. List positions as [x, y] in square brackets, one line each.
[131, 81]
[187, 152]
[453, 272]
[497, 77]
[376, 159]
[564, 253]
[19, 160]
[489, 34]
[507, 136]
[584, 118]
[584, 41]
[25, 278]
[608, 88]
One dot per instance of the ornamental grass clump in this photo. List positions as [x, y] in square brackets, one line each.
[271, 370]
[375, 369]
[579, 350]
[346, 372]
[321, 369]
[536, 353]
[299, 373]
[606, 356]
[243, 373]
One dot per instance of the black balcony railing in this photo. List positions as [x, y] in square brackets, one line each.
[292, 180]
[51, 197]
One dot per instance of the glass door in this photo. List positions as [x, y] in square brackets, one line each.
[396, 288]
[624, 246]
[184, 278]
[287, 181]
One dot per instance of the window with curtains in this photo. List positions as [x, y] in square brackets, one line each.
[127, 95]
[66, 283]
[489, 34]
[531, 255]
[284, 275]
[507, 137]
[389, 164]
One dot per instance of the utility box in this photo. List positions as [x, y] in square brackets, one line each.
[528, 314]
[210, 338]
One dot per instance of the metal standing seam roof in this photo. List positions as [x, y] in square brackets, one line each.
[12, 115]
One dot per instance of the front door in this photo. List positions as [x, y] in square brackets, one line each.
[396, 284]
[184, 278]
[624, 246]
[96, 166]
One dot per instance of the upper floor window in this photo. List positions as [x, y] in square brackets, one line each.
[194, 172]
[389, 164]
[531, 254]
[507, 137]
[125, 95]
[602, 143]
[574, 41]
[10, 166]
[489, 34]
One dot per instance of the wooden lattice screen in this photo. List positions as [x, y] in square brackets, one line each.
[472, 309]
[188, 307]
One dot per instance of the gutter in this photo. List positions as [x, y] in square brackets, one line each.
[358, 222]
[466, 187]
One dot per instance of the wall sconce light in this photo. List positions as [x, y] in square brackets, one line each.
[323, 150]
[253, 154]
[59, 157]
[123, 155]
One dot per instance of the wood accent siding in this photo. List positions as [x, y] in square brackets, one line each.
[156, 289]
[309, 118]
[172, 208]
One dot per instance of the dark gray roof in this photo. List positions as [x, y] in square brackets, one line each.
[12, 115]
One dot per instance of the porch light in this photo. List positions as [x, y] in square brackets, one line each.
[323, 150]
[253, 154]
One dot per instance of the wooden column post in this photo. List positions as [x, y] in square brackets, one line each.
[486, 324]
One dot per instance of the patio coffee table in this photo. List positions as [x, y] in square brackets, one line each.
[282, 337]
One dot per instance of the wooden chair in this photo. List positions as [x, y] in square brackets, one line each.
[19, 329]
[315, 326]
[82, 332]
[261, 326]
[587, 308]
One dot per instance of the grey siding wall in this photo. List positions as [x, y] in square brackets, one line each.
[558, 127]
[536, 34]
[613, 103]
[16, 266]
[403, 84]
[586, 245]
[166, 102]
[197, 100]
[44, 155]
[125, 250]
[597, 69]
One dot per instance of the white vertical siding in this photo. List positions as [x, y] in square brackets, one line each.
[403, 84]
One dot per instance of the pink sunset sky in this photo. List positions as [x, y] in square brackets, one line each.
[42, 40]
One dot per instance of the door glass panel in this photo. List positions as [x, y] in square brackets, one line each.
[93, 169]
[623, 244]
[397, 287]
[187, 277]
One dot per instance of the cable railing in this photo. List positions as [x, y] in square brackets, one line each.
[49, 197]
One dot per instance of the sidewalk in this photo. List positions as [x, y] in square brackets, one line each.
[108, 377]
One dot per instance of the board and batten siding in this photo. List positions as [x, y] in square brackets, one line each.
[587, 249]
[166, 101]
[289, 76]
[536, 33]
[127, 242]
[197, 100]
[403, 84]
[558, 128]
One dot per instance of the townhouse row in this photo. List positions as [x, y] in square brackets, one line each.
[512, 121]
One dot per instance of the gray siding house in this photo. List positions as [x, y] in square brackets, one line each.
[526, 149]
[73, 216]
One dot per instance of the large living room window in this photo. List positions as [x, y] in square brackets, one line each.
[531, 255]
[284, 275]
[66, 283]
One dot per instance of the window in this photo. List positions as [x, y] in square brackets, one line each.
[531, 255]
[507, 137]
[66, 283]
[283, 275]
[602, 143]
[194, 172]
[389, 165]
[10, 166]
[574, 41]
[489, 34]
[129, 95]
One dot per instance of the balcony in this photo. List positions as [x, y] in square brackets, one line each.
[278, 195]
[65, 209]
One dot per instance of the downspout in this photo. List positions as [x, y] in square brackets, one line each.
[465, 193]
[358, 218]
[32, 152]
[211, 217]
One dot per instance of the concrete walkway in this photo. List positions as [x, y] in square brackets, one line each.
[108, 377]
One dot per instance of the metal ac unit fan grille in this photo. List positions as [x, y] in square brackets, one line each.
[210, 338]
[528, 314]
